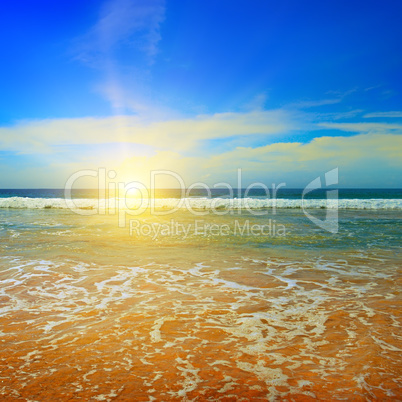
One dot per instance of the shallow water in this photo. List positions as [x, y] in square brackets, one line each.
[91, 311]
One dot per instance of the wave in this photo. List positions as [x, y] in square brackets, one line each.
[197, 203]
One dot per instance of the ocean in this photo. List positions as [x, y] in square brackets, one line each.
[202, 297]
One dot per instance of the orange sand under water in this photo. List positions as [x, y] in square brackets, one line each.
[244, 331]
[181, 322]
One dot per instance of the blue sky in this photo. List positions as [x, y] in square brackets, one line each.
[282, 89]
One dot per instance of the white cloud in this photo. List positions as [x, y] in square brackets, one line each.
[364, 160]
[178, 135]
[369, 155]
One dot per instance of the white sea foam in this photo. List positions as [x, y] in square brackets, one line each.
[217, 204]
[127, 315]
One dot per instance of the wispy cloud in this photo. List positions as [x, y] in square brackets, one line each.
[132, 23]
[364, 127]
[258, 102]
[343, 94]
[304, 104]
[122, 45]
[384, 114]
[335, 97]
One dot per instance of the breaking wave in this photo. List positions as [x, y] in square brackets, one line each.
[198, 203]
